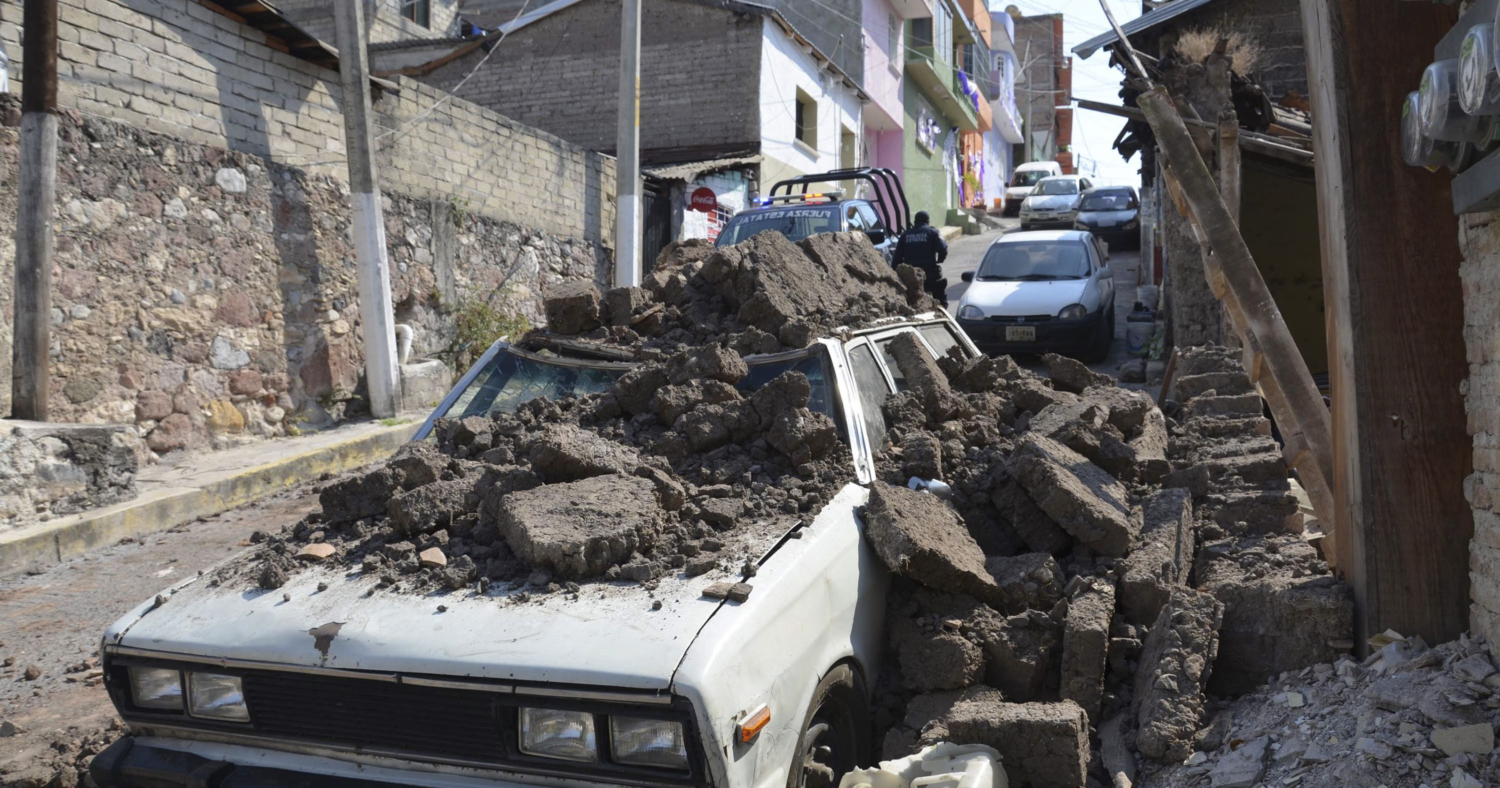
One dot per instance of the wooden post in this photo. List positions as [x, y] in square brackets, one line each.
[1395, 323]
[30, 378]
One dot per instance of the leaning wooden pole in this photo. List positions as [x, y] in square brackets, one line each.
[30, 381]
[1273, 360]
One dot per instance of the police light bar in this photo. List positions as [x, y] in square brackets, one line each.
[820, 196]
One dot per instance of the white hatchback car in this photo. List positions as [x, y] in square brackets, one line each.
[1039, 292]
[1054, 202]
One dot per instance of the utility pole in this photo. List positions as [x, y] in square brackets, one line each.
[30, 378]
[628, 150]
[375, 310]
[1030, 98]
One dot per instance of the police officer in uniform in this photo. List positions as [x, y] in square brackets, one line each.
[923, 247]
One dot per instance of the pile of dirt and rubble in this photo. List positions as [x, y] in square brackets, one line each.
[671, 469]
[1408, 716]
[763, 295]
[1099, 573]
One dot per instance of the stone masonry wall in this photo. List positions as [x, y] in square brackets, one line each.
[178, 68]
[55, 469]
[204, 280]
[1479, 237]
[208, 296]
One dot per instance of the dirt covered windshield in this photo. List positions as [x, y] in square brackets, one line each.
[514, 377]
[794, 223]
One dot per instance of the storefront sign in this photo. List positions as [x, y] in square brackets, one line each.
[704, 200]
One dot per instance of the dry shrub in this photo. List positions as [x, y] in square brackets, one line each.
[1243, 51]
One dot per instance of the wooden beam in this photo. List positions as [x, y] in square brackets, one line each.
[1395, 310]
[1272, 359]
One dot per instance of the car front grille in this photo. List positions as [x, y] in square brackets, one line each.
[375, 714]
[1026, 319]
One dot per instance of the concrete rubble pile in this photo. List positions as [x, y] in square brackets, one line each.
[1098, 574]
[1407, 716]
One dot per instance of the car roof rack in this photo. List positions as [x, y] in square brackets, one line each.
[889, 198]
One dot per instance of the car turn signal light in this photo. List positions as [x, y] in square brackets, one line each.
[751, 724]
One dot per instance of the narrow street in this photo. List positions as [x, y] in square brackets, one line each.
[965, 254]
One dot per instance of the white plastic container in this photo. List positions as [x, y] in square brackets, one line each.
[1437, 103]
[943, 765]
[1138, 334]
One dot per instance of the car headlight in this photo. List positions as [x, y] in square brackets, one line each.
[643, 742]
[565, 735]
[156, 688]
[1074, 312]
[215, 696]
[970, 312]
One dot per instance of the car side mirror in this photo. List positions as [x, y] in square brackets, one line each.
[1106, 271]
[968, 276]
[877, 236]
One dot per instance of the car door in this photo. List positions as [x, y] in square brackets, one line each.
[1102, 274]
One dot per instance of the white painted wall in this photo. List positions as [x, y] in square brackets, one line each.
[784, 68]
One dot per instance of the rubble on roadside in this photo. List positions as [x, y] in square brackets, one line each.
[1407, 716]
[1144, 566]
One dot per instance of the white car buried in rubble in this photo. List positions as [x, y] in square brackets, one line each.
[226, 687]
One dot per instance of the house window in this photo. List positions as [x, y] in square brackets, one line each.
[419, 11]
[807, 120]
[892, 38]
[848, 148]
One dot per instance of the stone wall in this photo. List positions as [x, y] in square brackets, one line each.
[208, 296]
[204, 282]
[1479, 237]
[700, 77]
[176, 67]
[56, 469]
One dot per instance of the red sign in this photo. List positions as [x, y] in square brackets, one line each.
[704, 200]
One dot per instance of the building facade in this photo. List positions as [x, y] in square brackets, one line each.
[941, 100]
[1043, 83]
[1000, 142]
[386, 20]
[885, 52]
[728, 89]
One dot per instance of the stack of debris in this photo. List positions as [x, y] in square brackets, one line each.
[1406, 716]
[1094, 570]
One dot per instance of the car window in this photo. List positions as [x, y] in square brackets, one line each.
[873, 390]
[939, 337]
[1028, 178]
[794, 223]
[1053, 186]
[511, 379]
[1034, 261]
[856, 220]
[1107, 201]
[890, 362]
[872, 219]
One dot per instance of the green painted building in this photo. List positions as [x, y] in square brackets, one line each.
[935, 108]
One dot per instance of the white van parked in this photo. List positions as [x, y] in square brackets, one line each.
[1024, 180]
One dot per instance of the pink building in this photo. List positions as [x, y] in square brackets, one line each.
[884, 24]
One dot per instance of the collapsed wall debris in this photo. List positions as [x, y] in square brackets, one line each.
[1110, 532]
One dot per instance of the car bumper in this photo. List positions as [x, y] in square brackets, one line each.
[1116, 234]
[144, 763]
[1052, 336]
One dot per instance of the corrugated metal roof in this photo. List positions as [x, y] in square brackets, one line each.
[1144, 22]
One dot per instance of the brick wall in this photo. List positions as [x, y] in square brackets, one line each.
[699, 75]
[382, 18]
[1039, 38]
[1479, 237]
[1276, 28]
[177, 68]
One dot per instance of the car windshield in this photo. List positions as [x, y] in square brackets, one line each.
[1028, 178]
[1035, 261]
[794, 223]
[514, 377]
[1059, 186]
[1106, 201]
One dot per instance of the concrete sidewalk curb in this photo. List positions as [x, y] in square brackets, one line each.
[158, 510]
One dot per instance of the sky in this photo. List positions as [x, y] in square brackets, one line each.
[1093, 132]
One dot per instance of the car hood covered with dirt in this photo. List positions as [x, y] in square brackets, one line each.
[608, 634]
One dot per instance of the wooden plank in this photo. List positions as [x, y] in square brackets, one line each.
[1394, 307]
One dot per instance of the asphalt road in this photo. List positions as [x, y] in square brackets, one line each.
[965, 254]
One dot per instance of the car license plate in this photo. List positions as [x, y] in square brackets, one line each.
[1020, 333]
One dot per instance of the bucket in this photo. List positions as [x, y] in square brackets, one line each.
[1140, 324]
